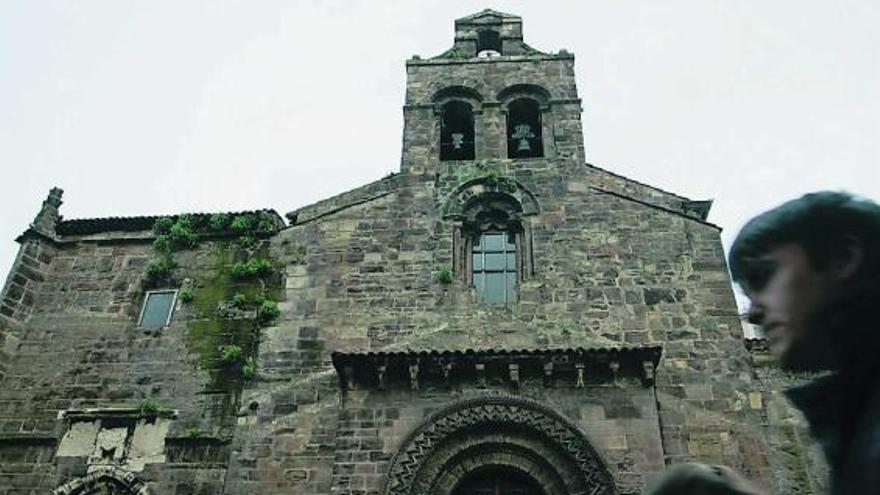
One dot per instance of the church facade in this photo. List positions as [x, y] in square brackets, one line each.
[498, 317]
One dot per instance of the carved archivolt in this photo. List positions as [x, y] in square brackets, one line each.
[104, 481]
[497, 432]
[522, 200]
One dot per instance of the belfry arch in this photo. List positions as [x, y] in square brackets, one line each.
[467, 440]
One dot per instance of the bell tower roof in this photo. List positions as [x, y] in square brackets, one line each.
[487, 34]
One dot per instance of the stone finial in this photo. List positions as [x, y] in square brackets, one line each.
[49, 215]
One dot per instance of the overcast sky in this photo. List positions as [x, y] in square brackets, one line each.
[162, 107]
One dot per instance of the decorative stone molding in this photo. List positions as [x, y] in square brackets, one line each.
[456, 205]
[113, 478]
[576, 368]
[519, 433]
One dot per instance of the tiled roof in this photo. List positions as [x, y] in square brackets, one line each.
[130, 224]
[590, 351]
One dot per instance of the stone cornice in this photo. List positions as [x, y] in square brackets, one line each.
[572, 367]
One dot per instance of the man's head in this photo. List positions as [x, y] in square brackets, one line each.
[804, 265]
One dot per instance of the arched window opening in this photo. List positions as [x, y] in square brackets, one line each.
[524, 129]
[495, 248]
[497, 482]
[488, 43]
[456, 131]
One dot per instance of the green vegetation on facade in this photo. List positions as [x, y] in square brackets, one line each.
[232, 298]
[194, 432]
[149, 406]
[255, 267]
[185, 295]
[493, 174]
[443, 275]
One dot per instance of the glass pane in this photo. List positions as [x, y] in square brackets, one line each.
[157, 308]
[494, 242]
[495, 261]
[511, 287]
[478, 242]
[511, 242]
[478, 261]
[495, 291]
[511, 261]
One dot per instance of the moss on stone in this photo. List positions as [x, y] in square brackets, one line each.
[212, 330]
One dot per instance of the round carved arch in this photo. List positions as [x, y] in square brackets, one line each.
[531, 91]
[104, 480]
[498, 431]
[456, 204]
[462, 93]
[457, 92]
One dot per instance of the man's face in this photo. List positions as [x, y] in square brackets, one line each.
[788, 299]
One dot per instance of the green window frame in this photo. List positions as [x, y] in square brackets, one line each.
[157, 309]
[494, 270]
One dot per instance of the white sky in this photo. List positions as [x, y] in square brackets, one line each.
[161, 106]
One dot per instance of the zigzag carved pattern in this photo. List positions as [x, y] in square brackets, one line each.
[125, 480]
[496, 409]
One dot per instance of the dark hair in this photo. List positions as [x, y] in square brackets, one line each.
[819, 222]
[700, 479]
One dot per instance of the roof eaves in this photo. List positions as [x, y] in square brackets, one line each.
[677, 196]
[79, 226]
[654, 206]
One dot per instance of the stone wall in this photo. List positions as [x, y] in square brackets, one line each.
[798, 464]
[81, 350]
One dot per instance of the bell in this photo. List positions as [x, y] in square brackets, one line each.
[523, 133]
[457, 140]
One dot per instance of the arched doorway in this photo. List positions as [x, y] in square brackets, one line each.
[497, 481]
[497, 445]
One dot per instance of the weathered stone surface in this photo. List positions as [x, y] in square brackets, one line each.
[610, 262]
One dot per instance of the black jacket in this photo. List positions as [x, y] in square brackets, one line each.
[844, 415]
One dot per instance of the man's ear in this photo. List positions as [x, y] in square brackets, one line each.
[848, 260]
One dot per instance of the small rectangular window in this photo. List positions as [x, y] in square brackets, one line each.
[158, 306]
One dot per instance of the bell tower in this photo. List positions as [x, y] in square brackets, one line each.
[491, 97]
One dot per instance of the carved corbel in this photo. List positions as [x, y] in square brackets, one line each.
[513, 371]
[348, 377]
[548, 374]
[614, 366]
[380, 376]
[480, 369]
[648, 369]
[446, 368]
[579, 367]
[414, 375]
